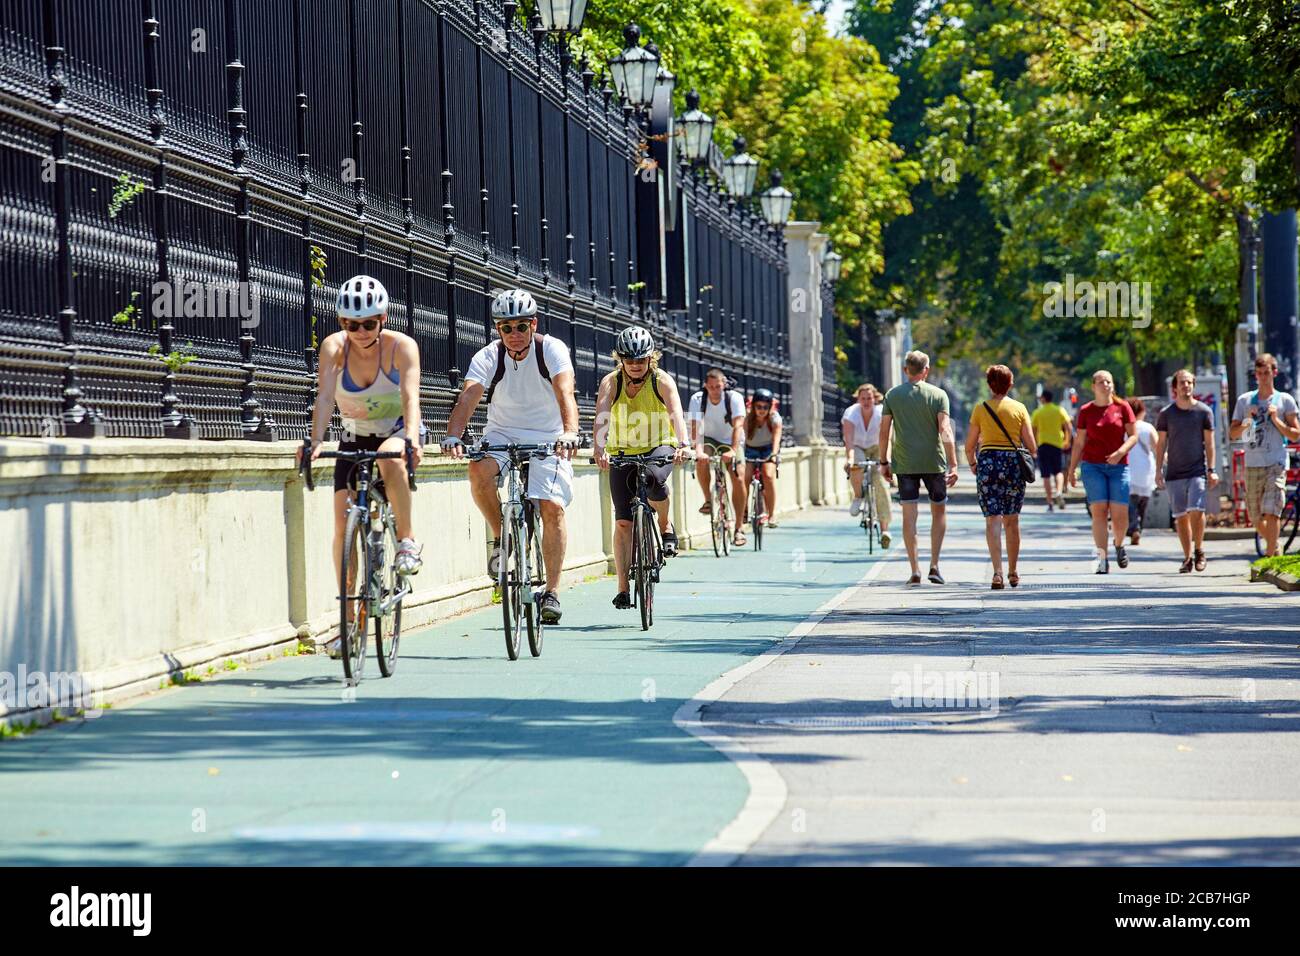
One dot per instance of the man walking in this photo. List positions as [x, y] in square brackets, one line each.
[1266, 420]
[920, 449]
[1052, 431]
[1185, 434]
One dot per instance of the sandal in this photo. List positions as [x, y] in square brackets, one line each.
[1199, 557]
[738, 539]
[1013, 579]
[997, 584]
[706, 508]
[914, 580]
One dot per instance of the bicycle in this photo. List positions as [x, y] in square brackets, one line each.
[522, 567]
[868, 521]
[1288, 524]
[647, 546]
[371, 531]
[757, 506]
[720, 513]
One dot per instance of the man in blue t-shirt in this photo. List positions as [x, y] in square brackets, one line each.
[1266, 420]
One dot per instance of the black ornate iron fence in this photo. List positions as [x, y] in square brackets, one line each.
[186, 183]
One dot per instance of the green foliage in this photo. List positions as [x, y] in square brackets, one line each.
[124, 193]
[128, 312]
[318, 262]
[1282, 564]
[174, 360]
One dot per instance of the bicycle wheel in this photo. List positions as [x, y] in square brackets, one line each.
[645, 562]
[353, 583]
[388, 624]
[1287, 534]
[537, 579]
[869, 523]
[510, 583]
[756, 512]
[724, 519]
[714, 520]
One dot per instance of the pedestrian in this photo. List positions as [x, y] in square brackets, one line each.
[1052, 431]
[1141, 471]
[916, 442]
[998, 428]
[860, 425]
[1265, 419]
[1109, 430]
[1185, 463]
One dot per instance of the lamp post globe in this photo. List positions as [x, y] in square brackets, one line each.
[739, 170]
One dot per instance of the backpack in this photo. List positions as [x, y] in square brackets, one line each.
[501, 363]
[654, 387]
[725, 403]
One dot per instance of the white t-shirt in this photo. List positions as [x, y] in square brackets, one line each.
[1142, 460]
[864, 436]
[715, 424]
[763, 433]
[524, 406]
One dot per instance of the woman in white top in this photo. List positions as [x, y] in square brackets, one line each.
[860, 425]
[1141, 471]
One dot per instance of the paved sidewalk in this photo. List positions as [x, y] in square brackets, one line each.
[1144, 717]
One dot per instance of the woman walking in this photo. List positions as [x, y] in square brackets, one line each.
[1141, 471]
[1109, 430]
[998, 428]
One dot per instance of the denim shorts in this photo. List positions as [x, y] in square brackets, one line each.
[1104, 482]
[1186, 494]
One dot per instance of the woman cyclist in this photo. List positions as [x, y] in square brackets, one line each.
[762, 439]
[638, 412]
[373, 374]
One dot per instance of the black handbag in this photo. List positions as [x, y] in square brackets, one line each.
[1027, 472]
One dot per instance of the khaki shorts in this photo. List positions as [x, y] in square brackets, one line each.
[1265, 490]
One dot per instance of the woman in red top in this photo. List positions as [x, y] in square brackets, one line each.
[1108, 429]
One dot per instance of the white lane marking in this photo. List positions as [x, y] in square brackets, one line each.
[416, 832]
[767, 790]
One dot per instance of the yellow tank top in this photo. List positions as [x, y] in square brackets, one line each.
[639, 424]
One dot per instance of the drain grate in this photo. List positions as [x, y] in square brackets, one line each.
[853, 723]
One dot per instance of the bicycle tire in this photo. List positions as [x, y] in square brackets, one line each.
[1295, 527]
[508, 584]
[644, 565]
[724, 519]
[353, 632]
[756, 512]
[715, 520]
[388, 626]
[537, 576]
[869, 522]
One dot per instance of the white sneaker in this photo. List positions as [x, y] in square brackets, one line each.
[335, 649]
[408, 557]
[855, 509]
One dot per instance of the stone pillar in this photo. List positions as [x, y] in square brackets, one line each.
[804, 248]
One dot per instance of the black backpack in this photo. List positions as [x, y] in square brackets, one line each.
[654, 387]
[501, 363]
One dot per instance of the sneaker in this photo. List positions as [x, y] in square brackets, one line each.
[1121, 556]
[335, 648]
[1199, 557]
[408, 557]
[622, 600]
[1186, 567]
[1102, 563]
[670, 544]
[935, 576]
[1049, 504]
[494, 560]
[771, 523]
[914, 580]
[885, 539]
[855, 509]
[1135, 537]
[1060, 505]
[550, 608]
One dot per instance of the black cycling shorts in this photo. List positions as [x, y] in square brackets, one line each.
[345, 472]
[909, 487]
[622, 483]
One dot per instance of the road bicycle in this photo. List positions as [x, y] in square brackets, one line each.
[757, 505]
[369, 538]
[868, 520]
[1289, 523]
[647, 545]
[720, 507]
[522, 570]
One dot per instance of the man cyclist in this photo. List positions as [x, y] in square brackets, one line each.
[717, 416]
[528, 379]
[377, 415]
[638, 412]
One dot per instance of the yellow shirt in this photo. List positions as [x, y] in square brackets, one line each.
[1014, 418]
[639, 424]
[1049, 423]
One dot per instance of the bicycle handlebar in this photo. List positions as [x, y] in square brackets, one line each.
[355, 456]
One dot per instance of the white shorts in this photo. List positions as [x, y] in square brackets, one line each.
[859, 455]
[549, 478]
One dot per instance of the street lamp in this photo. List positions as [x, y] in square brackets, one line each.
[635, 70]
[739, 170]
[697, 130]
[561, 16]
[831, 265]
[776, 201]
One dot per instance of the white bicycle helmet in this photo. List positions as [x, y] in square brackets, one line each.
[362, 297]
[634, 343]
[513, 304]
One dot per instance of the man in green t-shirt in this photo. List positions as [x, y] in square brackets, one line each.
[924, 451]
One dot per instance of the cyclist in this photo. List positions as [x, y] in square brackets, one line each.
[528, 379]
[860, 425]
[762, 440]
[716, 416]
[377, 416]
[638, 412]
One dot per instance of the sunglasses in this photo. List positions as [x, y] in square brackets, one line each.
[355, 326]
[505, 328]
[1266, 365]
[761, 408]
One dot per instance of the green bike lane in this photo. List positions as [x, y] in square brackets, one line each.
[463, 757]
